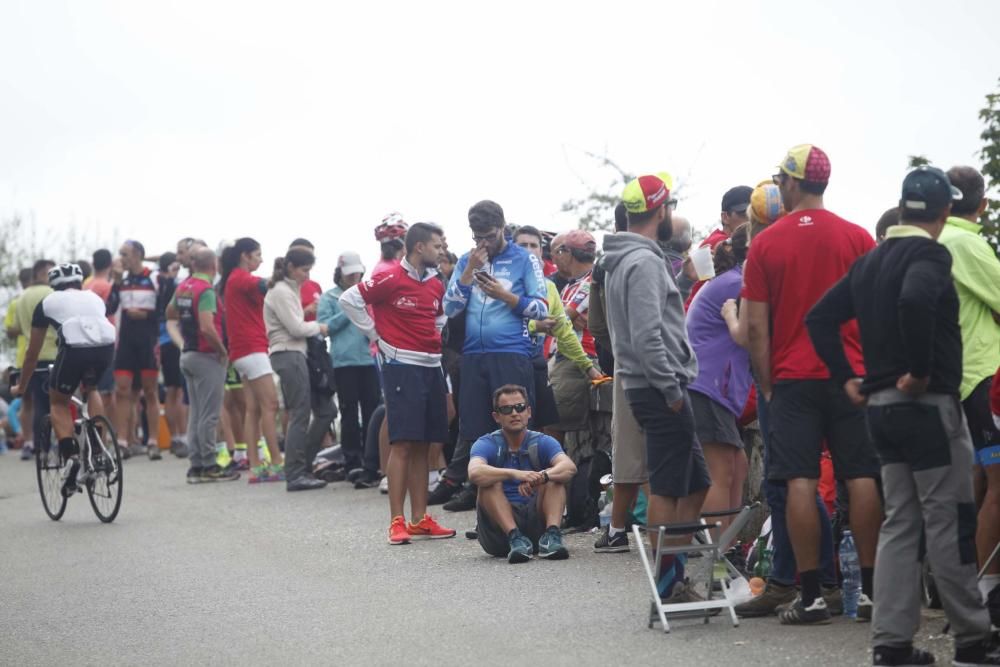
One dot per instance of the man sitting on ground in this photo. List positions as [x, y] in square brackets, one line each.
[522, 477]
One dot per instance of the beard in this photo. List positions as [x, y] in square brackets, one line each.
[665, 230]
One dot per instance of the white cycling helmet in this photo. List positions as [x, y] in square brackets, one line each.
[65, 275]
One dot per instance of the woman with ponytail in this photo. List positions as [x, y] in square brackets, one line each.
[287, 334]
[244, 304]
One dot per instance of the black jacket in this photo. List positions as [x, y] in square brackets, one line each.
[905, 302]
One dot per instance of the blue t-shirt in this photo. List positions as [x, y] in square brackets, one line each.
[491, 448]
[490, 324]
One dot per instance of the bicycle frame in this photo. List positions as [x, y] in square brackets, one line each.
[83, 439]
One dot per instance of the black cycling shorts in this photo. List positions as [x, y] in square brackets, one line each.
[170, 362]
[75, 366]
[137, 355]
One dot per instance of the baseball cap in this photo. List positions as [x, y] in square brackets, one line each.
[579, 239]
[644, 194]
[927, 188]
[736, 200]
[765, 202]
[350, 262]
[806, 163]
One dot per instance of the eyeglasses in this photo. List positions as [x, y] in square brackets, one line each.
[487, 238]
[779, 178]
[672, 203]
[507, 409]
[560, 250]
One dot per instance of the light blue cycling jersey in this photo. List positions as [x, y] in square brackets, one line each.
[491, 325]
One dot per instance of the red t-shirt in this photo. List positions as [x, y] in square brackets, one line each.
[406, 309]
[790, 266]
[102, 288]
[713, 240]
[244, 303]
[310, 293]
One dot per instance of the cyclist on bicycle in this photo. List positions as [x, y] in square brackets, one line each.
[86, 348]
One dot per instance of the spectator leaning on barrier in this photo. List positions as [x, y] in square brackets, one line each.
[907, 310]
[522, 477]
[497, 287]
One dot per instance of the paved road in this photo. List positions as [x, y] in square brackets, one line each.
[227, 573]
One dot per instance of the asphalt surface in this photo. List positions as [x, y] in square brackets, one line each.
[232, 573]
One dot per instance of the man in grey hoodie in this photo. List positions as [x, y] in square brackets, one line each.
[656, 363]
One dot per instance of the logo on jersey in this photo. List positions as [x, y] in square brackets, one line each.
[405, 302]
[805, 221]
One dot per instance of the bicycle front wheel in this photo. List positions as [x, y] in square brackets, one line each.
[49, 464]
[104, 485]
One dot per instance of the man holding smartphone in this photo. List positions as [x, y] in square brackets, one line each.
[498, 287]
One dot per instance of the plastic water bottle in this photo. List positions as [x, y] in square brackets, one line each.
[605, 515]
[850, 570]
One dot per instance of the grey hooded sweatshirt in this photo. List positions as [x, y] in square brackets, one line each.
[646, 317]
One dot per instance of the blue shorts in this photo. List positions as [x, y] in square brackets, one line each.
[482, 374]
[415, 404]
[985, 436]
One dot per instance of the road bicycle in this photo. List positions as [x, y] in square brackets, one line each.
[100, 466]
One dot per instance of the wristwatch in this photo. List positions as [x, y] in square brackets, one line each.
[545, 474]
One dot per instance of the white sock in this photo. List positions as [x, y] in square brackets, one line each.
[987, 583]
[612, 531]
[29, 443]
[182, 438]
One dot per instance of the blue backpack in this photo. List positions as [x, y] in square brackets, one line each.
[530, 445]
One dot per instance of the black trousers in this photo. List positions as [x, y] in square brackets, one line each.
[357, 396]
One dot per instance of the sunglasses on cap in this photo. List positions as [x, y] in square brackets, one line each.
[517, 407]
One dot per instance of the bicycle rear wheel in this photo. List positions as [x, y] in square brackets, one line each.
[104, 485]
[49, 464]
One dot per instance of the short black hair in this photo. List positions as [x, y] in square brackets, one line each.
[85, 267]
[390, 248]
[923, 216]
[24, 276]
[485, 216]
[166, 259]
[812, 187]
[102, 259]
[305, 243]
[641, 218]
[42, 265]
[621, 218]
[421, 232]
[888, 219]
[972, 186]
[138, 247]
[508, 390]
[530, 231]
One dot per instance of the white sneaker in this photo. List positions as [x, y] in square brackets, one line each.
[433, 477]
[383, 486]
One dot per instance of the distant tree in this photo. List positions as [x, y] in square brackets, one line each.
[990, 154]
[596, 210]
[918, 161]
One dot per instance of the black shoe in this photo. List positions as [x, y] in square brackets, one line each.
[354, 474]
[983, 653]
[215, 473]
[464, 501]
[443, 492]
[472, 534]
[69, 486]
[814, 614]
[194, 475]
[611, 545]
[305, 483]
[332, 475]
[367, 480]
[893, 656]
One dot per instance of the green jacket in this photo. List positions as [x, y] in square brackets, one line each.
[976, 271]
[569, 344]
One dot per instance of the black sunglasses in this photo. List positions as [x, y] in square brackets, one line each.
[507, 409]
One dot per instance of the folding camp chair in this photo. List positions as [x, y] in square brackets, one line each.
[703, 543]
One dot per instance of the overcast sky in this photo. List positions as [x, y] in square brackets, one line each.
[157, 120]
